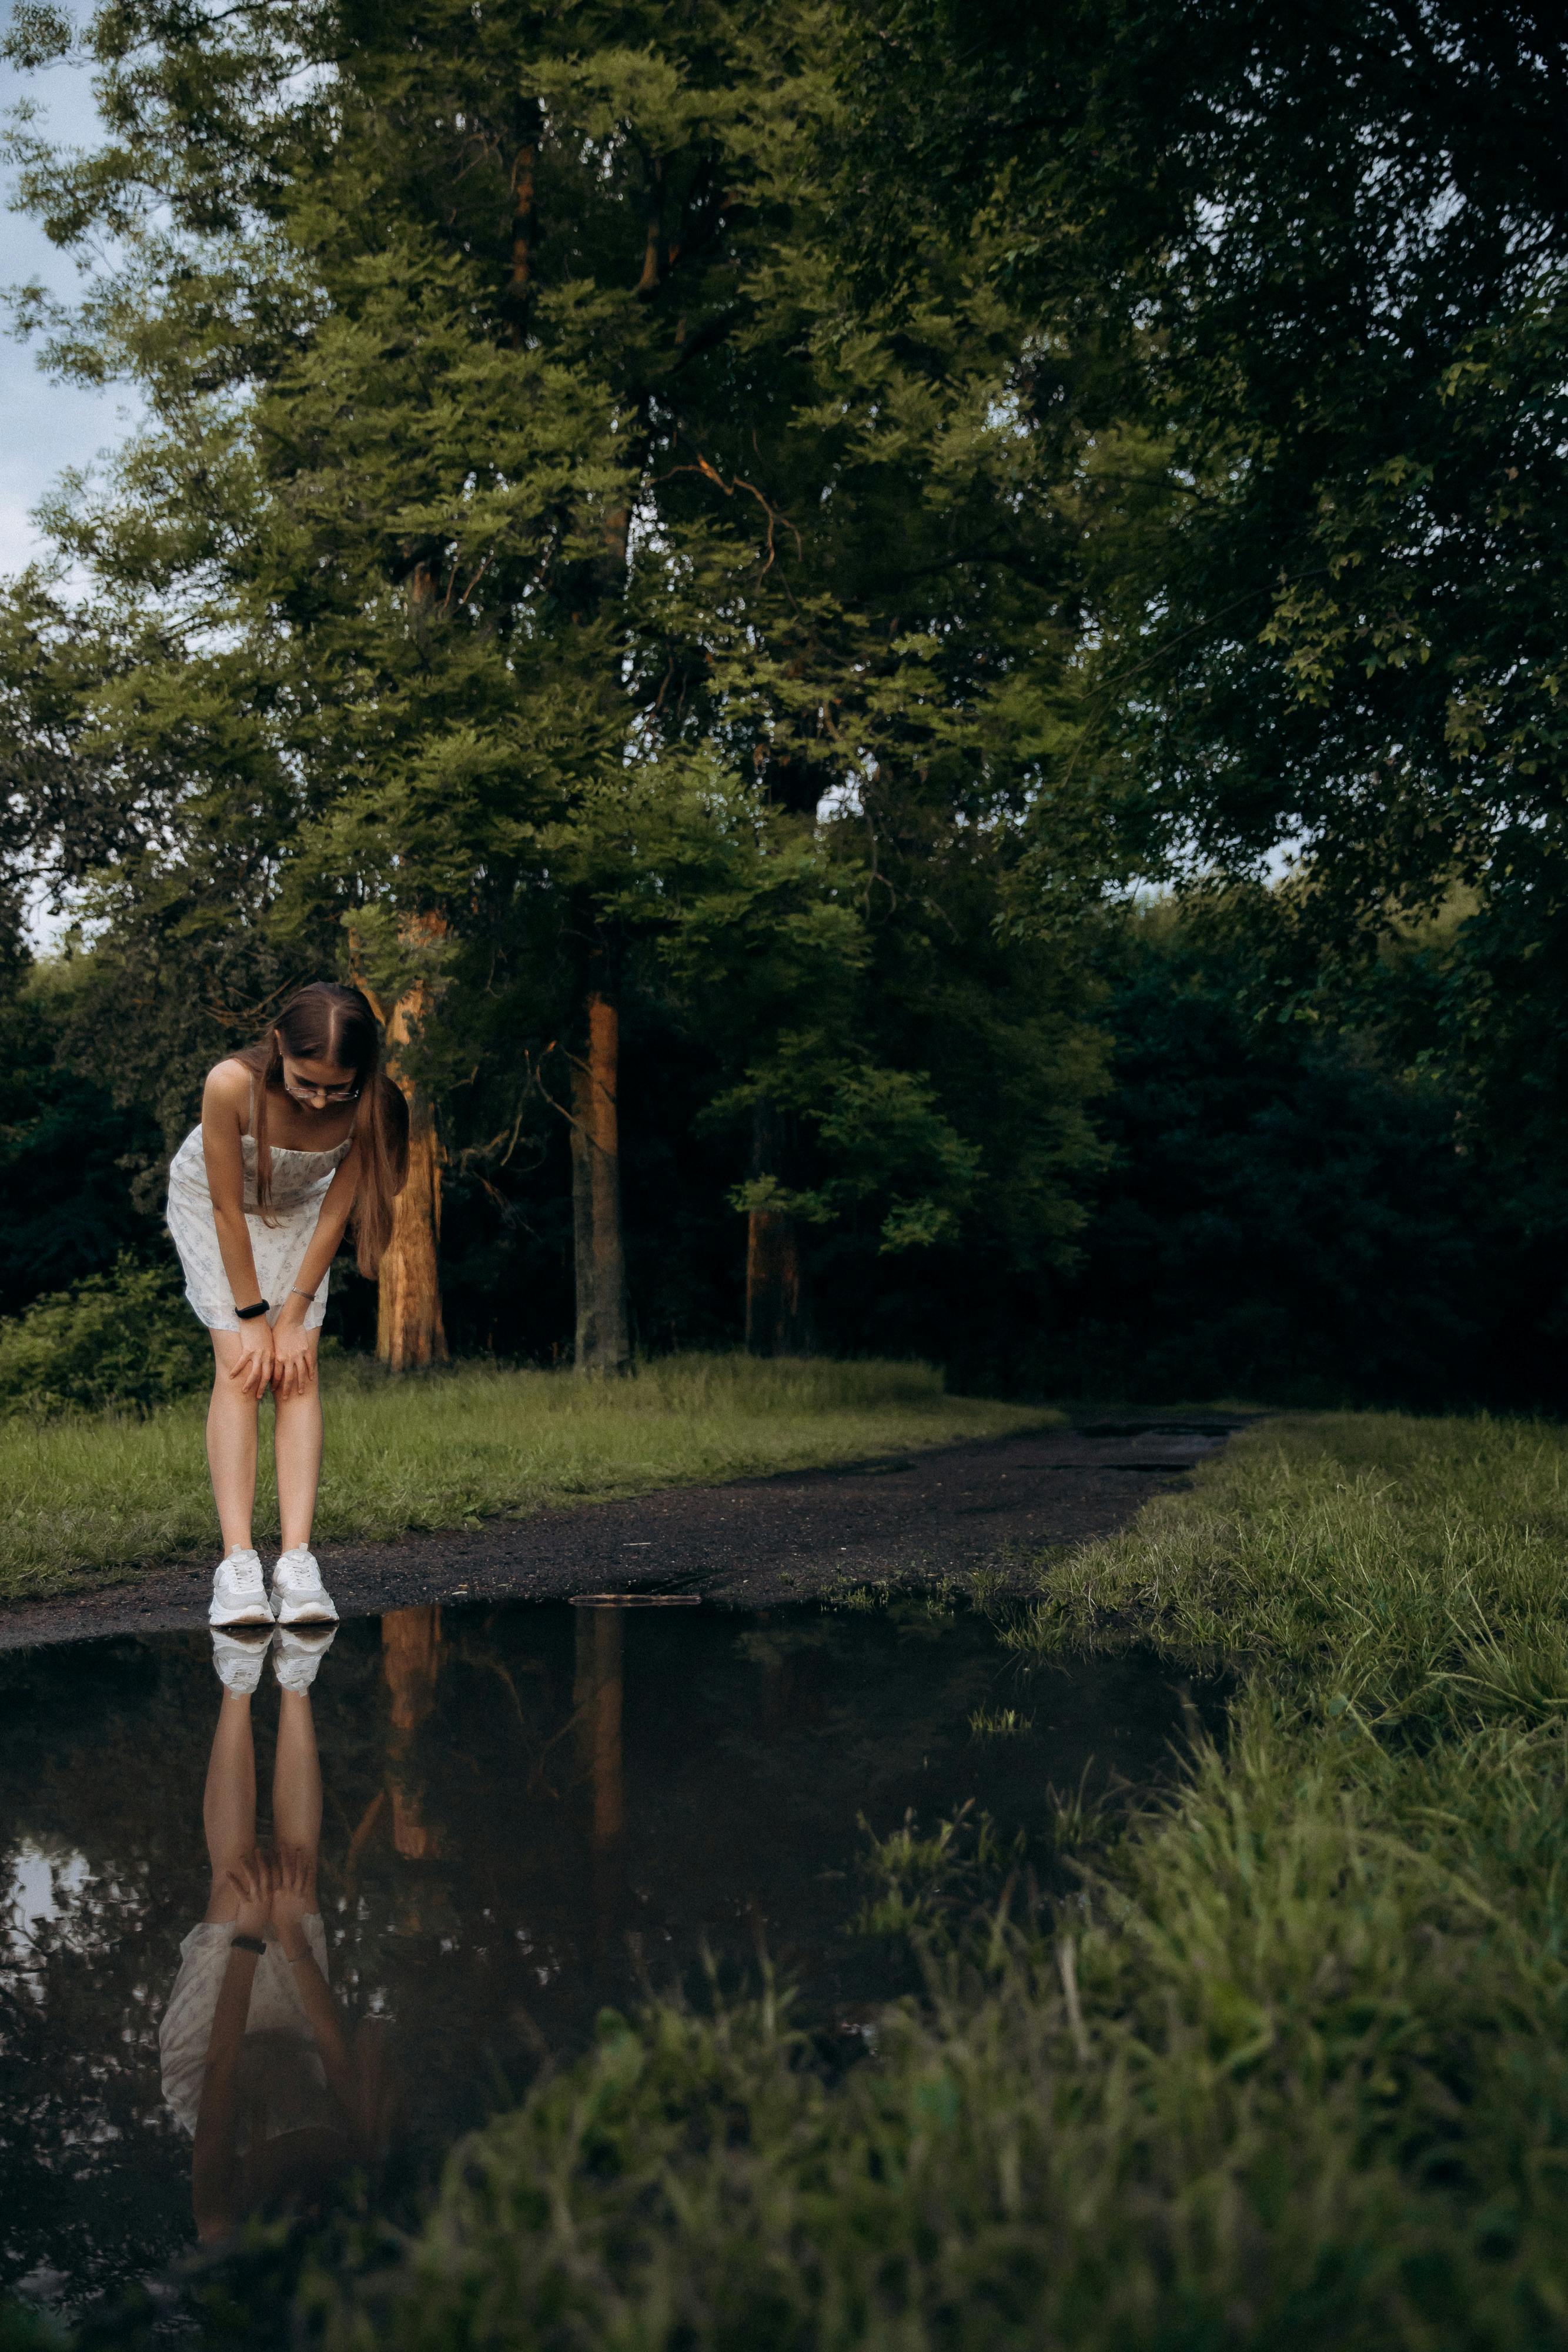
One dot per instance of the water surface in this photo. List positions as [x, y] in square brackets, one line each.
[531, 1810]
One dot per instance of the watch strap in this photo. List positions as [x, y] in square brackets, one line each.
[247, 1944]
[248, 1314]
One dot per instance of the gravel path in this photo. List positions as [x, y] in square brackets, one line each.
[756, 1543]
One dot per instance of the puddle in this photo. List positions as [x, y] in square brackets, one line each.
[528, 1812]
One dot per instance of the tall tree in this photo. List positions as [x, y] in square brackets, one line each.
[509, 418]
[1324, 253]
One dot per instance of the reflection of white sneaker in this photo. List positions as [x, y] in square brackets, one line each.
[237, 1659]
[239, 1592]
[300, 1653]
[298, 1594]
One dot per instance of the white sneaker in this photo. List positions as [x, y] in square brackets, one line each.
[239, 1592]
[298, 1654]
[298, 1594]
[237, 1660]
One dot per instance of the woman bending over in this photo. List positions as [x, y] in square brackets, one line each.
[301, 1137]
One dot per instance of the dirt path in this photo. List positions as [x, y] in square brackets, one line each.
[758, 1543]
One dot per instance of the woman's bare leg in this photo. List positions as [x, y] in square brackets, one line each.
[229, 1802]
[231, 1446]
[296, 1780]
[297, 1449]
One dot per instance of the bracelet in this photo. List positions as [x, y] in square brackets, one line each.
[297, 1293]
[247, 1944]
[248, 1314]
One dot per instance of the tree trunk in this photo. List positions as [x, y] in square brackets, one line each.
[603, 1345]
[410, 1328]
[777, 1311]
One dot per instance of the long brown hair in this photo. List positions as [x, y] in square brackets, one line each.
[326, 1023]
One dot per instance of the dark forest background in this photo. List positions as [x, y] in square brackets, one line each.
[991, 579]
[1281, 1211]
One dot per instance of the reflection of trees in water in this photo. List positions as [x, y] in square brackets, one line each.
[506, 1796]
[94, 2176]
[410, 1659]
[457, 1791]
[598, 1694]
[410, 1666]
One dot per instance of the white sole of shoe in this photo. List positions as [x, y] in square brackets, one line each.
[223, 1617]
[308, 1612]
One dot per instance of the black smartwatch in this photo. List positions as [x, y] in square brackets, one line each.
[247, 1944]
[248, 1314]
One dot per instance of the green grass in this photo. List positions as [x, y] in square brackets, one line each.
[1000, 1723]
[1363, 1562]
[88, 1497]
[1293, 2072]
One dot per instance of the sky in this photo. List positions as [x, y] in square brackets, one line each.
[48, 426]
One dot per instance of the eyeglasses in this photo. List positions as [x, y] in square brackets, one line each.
[320, 1093]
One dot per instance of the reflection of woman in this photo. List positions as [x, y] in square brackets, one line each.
[254, 2060]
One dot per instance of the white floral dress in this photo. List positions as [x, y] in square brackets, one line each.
[300, 1182]
[276, 2014]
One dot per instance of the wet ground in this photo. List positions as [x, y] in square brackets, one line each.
[536, 1808]
[995, 1504]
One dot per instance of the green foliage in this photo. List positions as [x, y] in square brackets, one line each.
[1297, 279]
[1320, 260]
[1299, 1209]
[532, 576]
[70, 1161]
[125, 1340]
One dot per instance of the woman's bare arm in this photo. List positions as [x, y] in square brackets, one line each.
[213, 2166]
[326, 2025]
[226, 1113]
[293, 1902]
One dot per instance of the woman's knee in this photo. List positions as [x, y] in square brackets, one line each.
[225, 1356]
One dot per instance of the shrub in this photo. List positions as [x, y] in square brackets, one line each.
[126, 1339]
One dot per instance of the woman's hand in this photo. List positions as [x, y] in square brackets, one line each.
[252, 1879]
[252, 1369]
[293, 1899]
[293, 1358]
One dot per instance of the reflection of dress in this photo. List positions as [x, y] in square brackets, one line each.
[280, 2067]
[300, 1182]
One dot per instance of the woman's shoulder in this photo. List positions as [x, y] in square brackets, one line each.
[228, 1087]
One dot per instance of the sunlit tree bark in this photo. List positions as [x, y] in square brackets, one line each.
[410, 1328]
[603, 1345]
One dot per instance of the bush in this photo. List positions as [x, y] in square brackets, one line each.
[126, 1339]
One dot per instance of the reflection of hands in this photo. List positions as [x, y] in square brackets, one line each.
[292, 1899]
[252, 1879]
[252, 1368]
